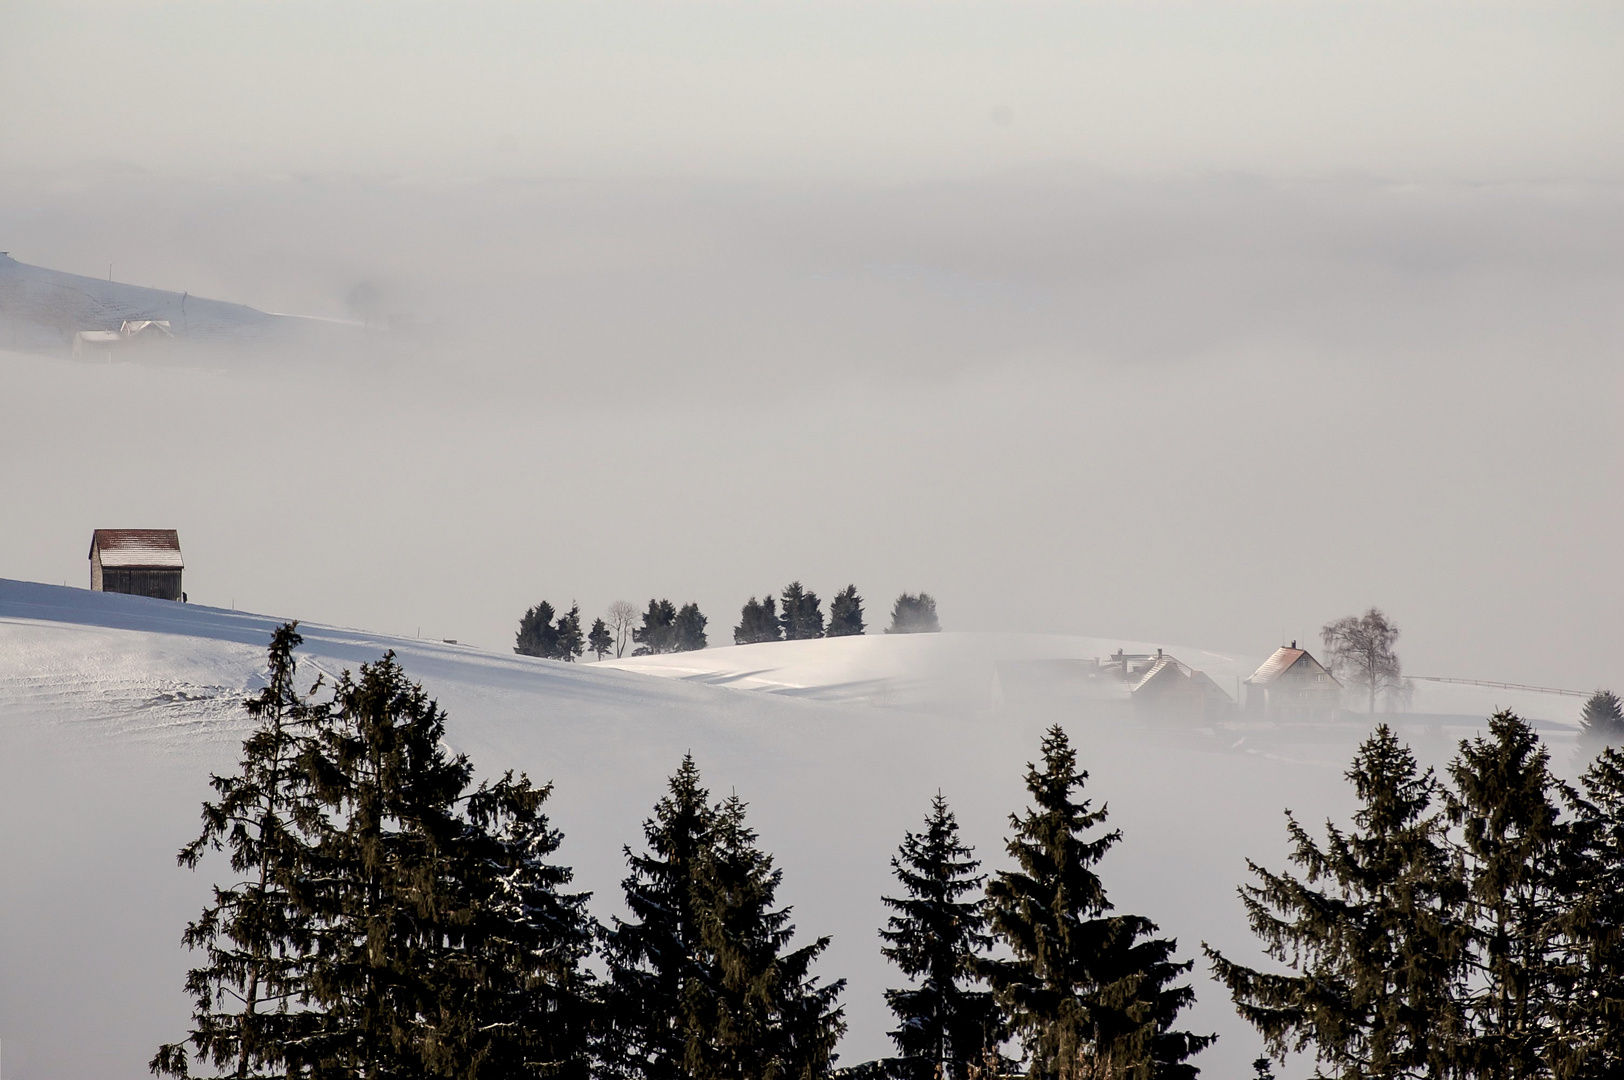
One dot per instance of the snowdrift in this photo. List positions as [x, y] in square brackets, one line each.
[114, 709]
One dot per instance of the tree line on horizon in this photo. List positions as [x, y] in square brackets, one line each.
[389, 917]
[665, 628]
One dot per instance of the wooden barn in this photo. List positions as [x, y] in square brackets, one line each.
[1293, 686]
[141, 562]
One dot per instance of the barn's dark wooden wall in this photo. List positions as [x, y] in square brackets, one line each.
[162, 584]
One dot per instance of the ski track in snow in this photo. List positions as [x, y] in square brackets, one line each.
[114, 710]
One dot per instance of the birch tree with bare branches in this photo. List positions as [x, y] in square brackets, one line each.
[1359, 651]
[622, 618]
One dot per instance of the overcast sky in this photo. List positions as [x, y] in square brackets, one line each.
[1468, 90]
[1203, 323]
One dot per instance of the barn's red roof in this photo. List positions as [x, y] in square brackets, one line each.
[137, 548]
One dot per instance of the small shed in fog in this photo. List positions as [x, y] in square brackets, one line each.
[145, 331]
[141, 562]
[1292, 686]
[98, 344]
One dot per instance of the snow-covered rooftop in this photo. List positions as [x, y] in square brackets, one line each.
[148, 548]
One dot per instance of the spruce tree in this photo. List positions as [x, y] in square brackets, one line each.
[1375, 930]
[1601, 721]
[802, 613]
[913, 614]
[444, 945]
[846, 613]
[388, 898]
[600, 640]
[654, 955]
[688, 629]
[1594, 925]
[758, 622]
[944, 1025]
[757, 1013]
[392, 923]
[513, 999]
[1505, 801]
[537, 635]
[1090, 994]
[568, 642]
[658, 632]
[255, 935]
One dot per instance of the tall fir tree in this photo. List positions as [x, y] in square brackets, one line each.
[757, 1013]
[1594, 925]
[1505, 801]
[654, 955]
[846, 613]
[658, 633]
[688, 629]
[1090, 994]
[513, 999]
[537, 635]
[1375, 929]
[801, 613]
[945, 1025]
[600, 640]
[758, 622]
[255, 935]
[570, 643]
[387, 897]
[436, 905]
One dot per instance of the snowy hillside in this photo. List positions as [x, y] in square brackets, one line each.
[113, 709]
[941, 672]
[41, 309]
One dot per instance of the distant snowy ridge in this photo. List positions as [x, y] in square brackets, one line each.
[41, 309]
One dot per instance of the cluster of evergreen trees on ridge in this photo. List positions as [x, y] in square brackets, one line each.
[796, 614]
[540, 635]
[388, 917]
[665, 628]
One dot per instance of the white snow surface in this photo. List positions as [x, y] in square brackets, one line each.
[115, 709]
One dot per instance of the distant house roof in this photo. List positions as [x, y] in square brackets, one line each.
[1156, 671]
[138, 548]
[132, 327]
[1167, 673]
[99, 337]
[1283, 660]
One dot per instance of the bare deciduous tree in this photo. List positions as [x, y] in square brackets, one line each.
[622, 617]
[1359, 651]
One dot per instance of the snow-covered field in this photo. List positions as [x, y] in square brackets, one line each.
[114, 709]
